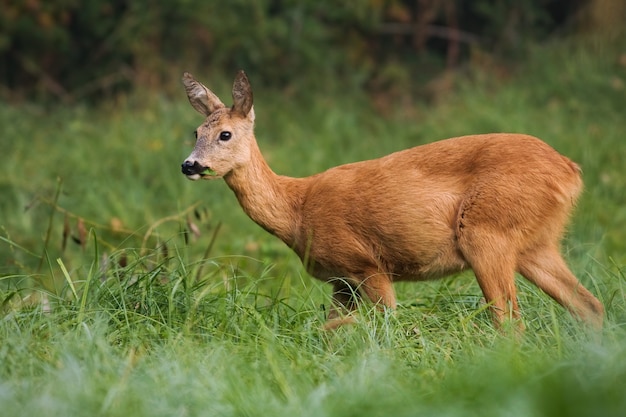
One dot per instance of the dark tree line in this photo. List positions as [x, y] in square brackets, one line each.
[72, 49]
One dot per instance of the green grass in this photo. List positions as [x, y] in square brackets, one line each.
[163, 299]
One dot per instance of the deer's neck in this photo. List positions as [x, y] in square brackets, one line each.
[271, 200]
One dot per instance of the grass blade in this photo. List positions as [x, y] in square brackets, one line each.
[68, 279]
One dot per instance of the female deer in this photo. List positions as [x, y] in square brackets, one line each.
[495, 203]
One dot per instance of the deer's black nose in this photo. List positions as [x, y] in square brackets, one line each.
[191, 168]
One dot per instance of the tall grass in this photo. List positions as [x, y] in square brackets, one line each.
[127, 290]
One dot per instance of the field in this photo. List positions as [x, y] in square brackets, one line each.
[128, 290]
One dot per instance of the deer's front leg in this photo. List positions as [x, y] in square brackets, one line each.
[344, 304]
[377, 287]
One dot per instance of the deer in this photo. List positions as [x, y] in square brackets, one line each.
[496, 204]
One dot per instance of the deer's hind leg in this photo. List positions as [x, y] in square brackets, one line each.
[493, 263]
[491, 253]
[545, 267]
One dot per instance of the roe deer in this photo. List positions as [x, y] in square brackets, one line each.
[495, 203]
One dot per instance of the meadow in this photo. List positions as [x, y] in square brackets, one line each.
[128, 290]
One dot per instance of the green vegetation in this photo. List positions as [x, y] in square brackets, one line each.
[71, 50]
[128, 290]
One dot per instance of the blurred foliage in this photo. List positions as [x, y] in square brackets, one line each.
[71, 49]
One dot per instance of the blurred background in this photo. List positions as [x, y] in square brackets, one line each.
[71, 50]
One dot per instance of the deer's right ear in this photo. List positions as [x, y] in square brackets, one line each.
[200, 97]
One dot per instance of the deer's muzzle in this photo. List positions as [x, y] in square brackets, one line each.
[192, 169]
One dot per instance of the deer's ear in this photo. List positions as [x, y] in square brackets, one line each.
[242, 94]
[200, 97]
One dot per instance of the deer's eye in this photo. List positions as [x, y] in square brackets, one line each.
[225, 136]
[195, 134]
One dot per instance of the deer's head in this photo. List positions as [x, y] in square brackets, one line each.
[223, 140]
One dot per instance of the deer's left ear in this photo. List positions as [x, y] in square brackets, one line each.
[242, 95]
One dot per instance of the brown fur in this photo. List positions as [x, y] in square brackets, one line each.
[496, 204]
